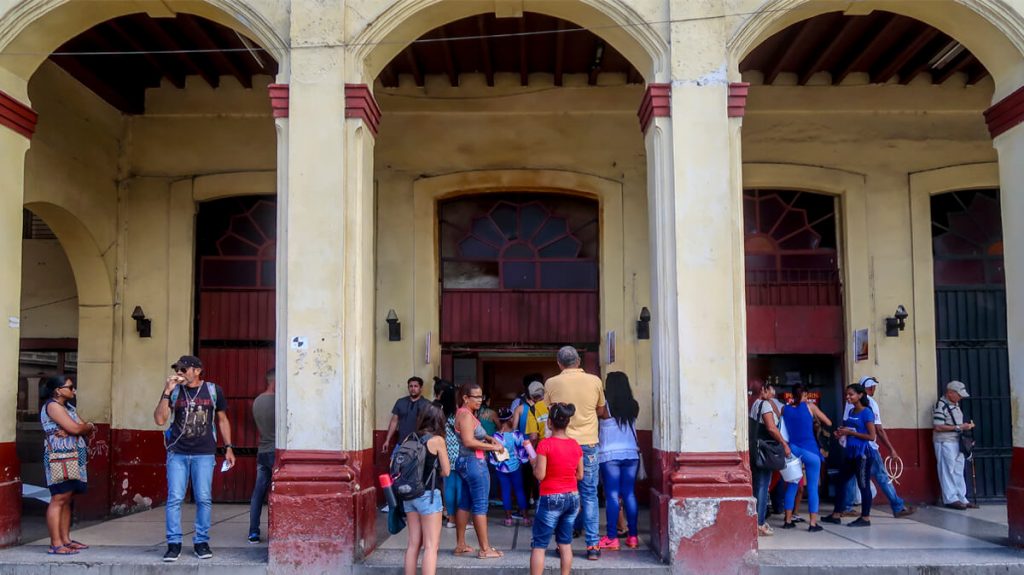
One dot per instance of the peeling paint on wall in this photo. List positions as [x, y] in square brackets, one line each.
[687, 518]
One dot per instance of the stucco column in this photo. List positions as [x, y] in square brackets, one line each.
[704, 517]
[17, 123]
[1010, 146]
[324, 472]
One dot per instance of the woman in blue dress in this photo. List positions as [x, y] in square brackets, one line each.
[858, 431]
[799, 419]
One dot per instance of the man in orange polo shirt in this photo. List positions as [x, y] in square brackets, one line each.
[586, 392]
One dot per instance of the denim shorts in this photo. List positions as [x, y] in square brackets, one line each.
[476, 484]
[555, 515]
[423, 504]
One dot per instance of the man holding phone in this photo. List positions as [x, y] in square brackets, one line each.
[191, 442]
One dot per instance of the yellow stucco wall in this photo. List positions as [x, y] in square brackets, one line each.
[49, 299]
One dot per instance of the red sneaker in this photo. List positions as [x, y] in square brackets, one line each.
[608, 544]
[632, 542]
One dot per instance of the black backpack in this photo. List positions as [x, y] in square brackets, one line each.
[407, 468]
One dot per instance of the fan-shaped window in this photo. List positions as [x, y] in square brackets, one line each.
[243, 253]
[519, 242]
[967, 238]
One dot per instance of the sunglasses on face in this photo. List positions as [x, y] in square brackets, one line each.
[70, 386]
[181, 370]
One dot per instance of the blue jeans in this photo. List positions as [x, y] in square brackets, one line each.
[762, 479]
[812, 463]
[589, 517]
[856, 469]
[555, 515]
[453, 487]
[181, 469]
[512, 482]
[619, 478]
[427, 504]
[264, 469]
[883, 481]
[476, 484]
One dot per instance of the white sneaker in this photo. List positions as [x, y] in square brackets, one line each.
[384, 509]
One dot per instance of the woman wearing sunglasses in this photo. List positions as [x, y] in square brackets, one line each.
[65, 454]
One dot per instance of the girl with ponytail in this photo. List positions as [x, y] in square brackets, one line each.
[858, 431]
[558, 466]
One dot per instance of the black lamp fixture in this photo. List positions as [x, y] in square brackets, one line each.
[143, 325]
[394, 326]
[894, 325]
[643, 325]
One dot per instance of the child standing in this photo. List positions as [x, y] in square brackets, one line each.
[507, 465]
[558, 466]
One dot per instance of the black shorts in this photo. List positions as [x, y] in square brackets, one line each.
[71, 486]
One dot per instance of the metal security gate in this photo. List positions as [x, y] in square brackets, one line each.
[970, 325]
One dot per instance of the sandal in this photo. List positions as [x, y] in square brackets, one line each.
[526, 522]
[463, 551]
[491, 553]
[76, 545]
[507, 522]
[61, 550]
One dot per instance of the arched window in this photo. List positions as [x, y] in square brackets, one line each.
[244, 245]
[967, 238]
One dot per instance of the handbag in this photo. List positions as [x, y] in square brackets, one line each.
[768, 453]
[63, 465]
[964, 439]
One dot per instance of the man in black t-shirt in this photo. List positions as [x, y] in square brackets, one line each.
[405, 412]
[191, 442]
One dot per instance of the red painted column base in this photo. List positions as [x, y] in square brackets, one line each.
[322, 511]
[138, 470]
[1015, 498]
[10, 495]
[703, 516]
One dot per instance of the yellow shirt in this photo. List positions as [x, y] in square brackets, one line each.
[537, 419]
[583, 390]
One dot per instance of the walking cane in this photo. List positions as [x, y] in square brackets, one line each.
[974, 481]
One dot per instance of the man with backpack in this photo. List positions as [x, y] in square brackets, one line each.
[948, 427]
[191, 442]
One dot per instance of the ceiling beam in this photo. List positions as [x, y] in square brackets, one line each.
[787, 50]
[865, 50]
[449, 59]
[485, 48]
[962, 60]
[850, 28]
[101, 86]
[899, 60]
[980, 71]
[524, 62]
[195, 32]
[560, 52]
[920, 62]
[166, 42]
[414, 64]
[173, 74]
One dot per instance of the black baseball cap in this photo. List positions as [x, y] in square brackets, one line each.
[187, 361]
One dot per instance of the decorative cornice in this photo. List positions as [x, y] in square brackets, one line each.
[279, 99]
[738, 98]
[17, 116]
[360, 104]
[1006, 113]
[656, 103]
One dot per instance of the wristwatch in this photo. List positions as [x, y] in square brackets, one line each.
[957, 428]
[228, 446]
[165, 396]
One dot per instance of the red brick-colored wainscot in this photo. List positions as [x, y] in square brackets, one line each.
[10, 495]
[1015, 498]
[17, 116]
[703, 518]
[656, 103]
[1006, 113]
[278, 99]
[322, 511]
[95, 504]
[360, 103]
[920, 481]
[138, 470]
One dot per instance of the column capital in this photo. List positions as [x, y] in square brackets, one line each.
[1006, 113]
[278, 99]
[656, 103]
[17, 116]
[738, 98]
[360, 104]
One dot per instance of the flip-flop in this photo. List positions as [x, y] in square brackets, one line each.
[490, 554]
[463, 551]
[77, 545]
[56, 550]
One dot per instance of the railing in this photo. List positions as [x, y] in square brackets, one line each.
[794, 287]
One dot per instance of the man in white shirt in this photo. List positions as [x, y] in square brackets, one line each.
[899, 508]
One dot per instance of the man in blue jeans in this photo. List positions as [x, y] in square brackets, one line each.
[263, 415]
[191, 442]
[899, 508]
[586, 392]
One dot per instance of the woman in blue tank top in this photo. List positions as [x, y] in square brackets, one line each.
[799, 419]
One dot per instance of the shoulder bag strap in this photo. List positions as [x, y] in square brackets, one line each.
[949, 410]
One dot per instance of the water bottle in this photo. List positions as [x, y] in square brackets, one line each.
[389, 494]
[529, 449]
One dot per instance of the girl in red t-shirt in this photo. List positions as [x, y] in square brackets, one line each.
[558, 466]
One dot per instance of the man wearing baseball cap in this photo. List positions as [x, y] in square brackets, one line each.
[191, 441]
[899, 508]
[948, 423]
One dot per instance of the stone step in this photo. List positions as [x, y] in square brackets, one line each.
[390, 562]
[974, 561]
[134, 560]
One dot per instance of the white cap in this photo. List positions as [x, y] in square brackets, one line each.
[868, 381]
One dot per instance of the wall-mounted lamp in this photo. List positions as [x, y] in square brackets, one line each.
[142, 325]
[894, 325]
[643, 325]
[394, 326]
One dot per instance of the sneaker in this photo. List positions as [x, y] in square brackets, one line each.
[831, 519]
[904, 512]
[384, 509]
[797, 518]
[518, 516]
[632, 542]
[765, 530]
[789, 525]
[956, 505]
[254, 537]
[593, 553]
[173, 552]
[450, 525]
[815, 528]
[860, 522]
[202, 550]
[608, 544]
